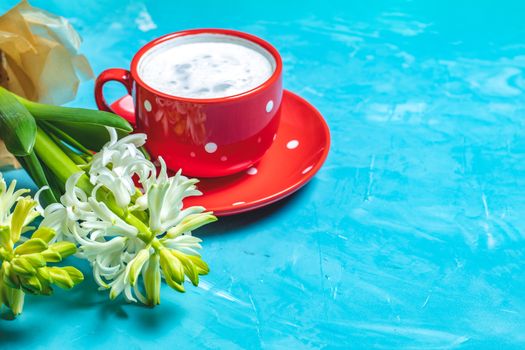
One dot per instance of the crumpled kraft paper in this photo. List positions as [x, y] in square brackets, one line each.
[39, 58]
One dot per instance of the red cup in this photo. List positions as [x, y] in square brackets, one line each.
[203, 137]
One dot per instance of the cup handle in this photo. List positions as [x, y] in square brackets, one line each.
[122, 76]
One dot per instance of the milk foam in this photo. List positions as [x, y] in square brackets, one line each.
[206, 66]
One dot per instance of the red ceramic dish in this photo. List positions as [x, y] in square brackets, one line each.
[299, 151]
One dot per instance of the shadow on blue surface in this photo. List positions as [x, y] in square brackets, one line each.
[87, 296]
[233, 223]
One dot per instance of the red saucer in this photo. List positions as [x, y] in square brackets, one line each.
[299, 151]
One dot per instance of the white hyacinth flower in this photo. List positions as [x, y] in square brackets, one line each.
[125, 233]
[124, 160]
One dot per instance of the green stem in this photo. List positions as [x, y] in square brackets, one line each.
[68, 151]
[145, 233]
[36, 170]
[63, 167]
[57, 161]
[65, 137]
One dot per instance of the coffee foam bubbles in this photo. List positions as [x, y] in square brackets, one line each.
[206, 66]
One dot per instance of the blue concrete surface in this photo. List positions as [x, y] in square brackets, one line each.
[412, 235]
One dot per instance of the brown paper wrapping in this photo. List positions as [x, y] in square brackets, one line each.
[39, 59]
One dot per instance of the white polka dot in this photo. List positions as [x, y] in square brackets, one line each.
[259, 139]
[292, 144]
[147, 105]
[251, 171]
[210, 147]
[224, 158]
[274, 136]
[307, 169]
[192, 154]
[269, 106]
[238, 203]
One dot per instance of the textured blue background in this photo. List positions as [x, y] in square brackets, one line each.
[410, 237]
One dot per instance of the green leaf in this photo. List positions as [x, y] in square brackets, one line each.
[59, 164]
[65, 137]
[56, 186]
[17, 125]
[72, 154]
[86, 126]
[32, 165]
[76, 115]
[91, 136]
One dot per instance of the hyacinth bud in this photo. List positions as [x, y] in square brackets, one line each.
[44, 233]
[65, 249]
[22, 267]
[35, 260]
[190, 223]
[5, 238]
[152, 280]
[10, 278]
[136, 265]
[51, 256]
[188, 267]
[75, 274]
[46, 287]
[16, 301]
[33, 245]
[31, 285]
[43, 274]
[200, 264]
[21, 215]
[178, 287]
[171, 266]
[61, 278]
[3, 290]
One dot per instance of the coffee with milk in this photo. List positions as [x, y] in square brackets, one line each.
[206, 66]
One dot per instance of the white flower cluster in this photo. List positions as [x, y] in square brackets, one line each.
[124, 232]
[26, 260]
